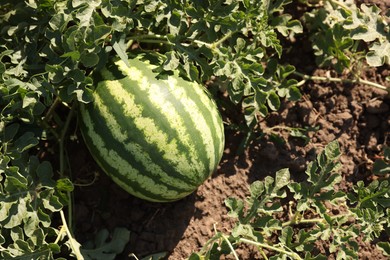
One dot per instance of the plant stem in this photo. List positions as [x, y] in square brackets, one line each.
[280, 250]
[230, 246]
[151, 38]
[222, 40]
[74, 245]
[263, 254]
[62, 138]
[46, 125]
[206, 246]
[214, 46]
[377, 194]
[49, 114]
[312, 220]
[155, 38]
[62, 158]
[50, 111]
[354, 81]
[280, 127]
[342, 5]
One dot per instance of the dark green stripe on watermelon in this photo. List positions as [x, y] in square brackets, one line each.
[179, 137]
[112, 172]
[132, 131]
[172, 132]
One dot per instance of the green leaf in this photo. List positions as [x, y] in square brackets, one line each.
[256, 189]
[364, 25]
[332, 151]
[282, 178]
[17, 212]
[244, 230]
[196, 256]
[64, 185]
[386, 153]
[285, 25]
[86, 12]
[37, 237]
[368, 196]
[58, 21]
[379, 54]
[56, 73]
[45, 174]
[100, 248]
[381, 167]
[359, 24]
[15, 181]
[385, 247]
[120, 49]
[294, 94]
[89, 60]
[174, 22]
[287, 237]
[100, 32]
[74, 55]
[172, 61]
[10, 132]
[25, 142]
[273, 101]
[235, 206]
[50, 202]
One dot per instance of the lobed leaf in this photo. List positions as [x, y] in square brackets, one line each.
[385, 247]
[101, 249]
[339, 28]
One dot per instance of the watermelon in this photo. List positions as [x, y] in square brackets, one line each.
[158, 139]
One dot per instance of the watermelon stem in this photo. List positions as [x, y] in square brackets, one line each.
[343, 81]
[215, 45]
[62, 159]
[74, 245]
[149, 38]
[342, 5]
[230, 246]
[49, 114]
[52, 108]
[156, 38]
[277, 249]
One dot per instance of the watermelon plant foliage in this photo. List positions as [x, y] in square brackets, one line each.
[343, 35]
[49, 50]
[281, 232]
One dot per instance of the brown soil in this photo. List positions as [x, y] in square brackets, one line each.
[356, 115]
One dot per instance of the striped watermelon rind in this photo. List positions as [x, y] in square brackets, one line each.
[159, 139]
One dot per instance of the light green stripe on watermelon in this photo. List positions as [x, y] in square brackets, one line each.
[151, 132]
[174, 119]
[218, 133]
[197, 118]
[115, 161]
[204, 118]
[188, 171]
[151, 87]
[133, 112]
[146, 82]
[158, 139]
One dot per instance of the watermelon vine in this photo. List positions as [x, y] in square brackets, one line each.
[51, 51]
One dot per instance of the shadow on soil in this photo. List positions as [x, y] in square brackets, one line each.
[101, 204]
